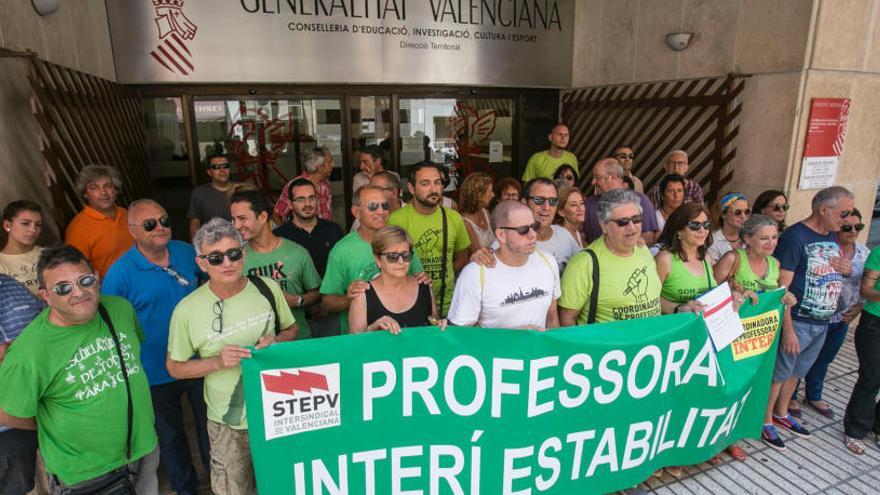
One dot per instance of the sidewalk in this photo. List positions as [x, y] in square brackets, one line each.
[817, 465]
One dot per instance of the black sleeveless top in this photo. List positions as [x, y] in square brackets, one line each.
[416, 316]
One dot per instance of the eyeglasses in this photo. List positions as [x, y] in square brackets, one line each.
[623, 156]
[623, 222]
[524, 229]
[695, 226]
[217, 324]
[539, 200]
[150, 224]
[404, 257]
[375, 206]
[849, 228]
[746, 212]
[218, 166]
[180, 280]
[777, 207]
[306, 199]
[845, 213]
[216, 257]
[86, 281]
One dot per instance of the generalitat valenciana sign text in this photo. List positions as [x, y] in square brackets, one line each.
[480, 42]
[476, 411]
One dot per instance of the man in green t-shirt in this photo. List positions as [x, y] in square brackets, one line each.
[544, 163]
[628, 286]
[351, 263]
[210, 332]
[268, 255]
[431, 226]
[63, 377]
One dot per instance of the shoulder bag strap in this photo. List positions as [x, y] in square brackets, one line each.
[594, 293]
[267, 293]
[443, 258]
[708, 270]
[106, 317]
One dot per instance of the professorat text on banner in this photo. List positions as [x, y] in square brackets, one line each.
[587, 409]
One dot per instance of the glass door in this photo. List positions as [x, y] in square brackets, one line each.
[266, 139]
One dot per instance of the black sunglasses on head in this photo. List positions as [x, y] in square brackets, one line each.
[524, 229]
[215, 258]
[849, 228]
[150, 224]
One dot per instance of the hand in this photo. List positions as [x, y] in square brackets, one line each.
[531, 327]
[231, 356]
[4, 347]
[386, 323]
[788, 299]
[423, 278]
[484, 257]
[692, 306]
[753, 297]
[841, 265]
[790, 342]
[265, 341]
[438, 323]
[848, 315]
[357, 288]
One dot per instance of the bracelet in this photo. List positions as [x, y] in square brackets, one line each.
[677, 308]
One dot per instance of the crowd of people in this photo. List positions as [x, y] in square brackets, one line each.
[102, 337]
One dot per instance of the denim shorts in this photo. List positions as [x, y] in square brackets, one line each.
[810, 336]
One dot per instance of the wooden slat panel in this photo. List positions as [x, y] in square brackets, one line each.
[697, 115]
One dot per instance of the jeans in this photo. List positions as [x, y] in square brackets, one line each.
[815, 379]
[863, 413]
[173, 444]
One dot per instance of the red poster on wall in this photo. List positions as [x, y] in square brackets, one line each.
[826, 133]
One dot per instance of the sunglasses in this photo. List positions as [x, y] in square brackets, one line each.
[86, 281]
[524, 229]
[746, 212]
[623, 222]
[174, 274]
[150, 224]
[215, 258]
[777, 207]
[218, 166]
[375, 206]
[568, 177]
[217, 324]
[696, 226]
[404, 257]
[849, 228]
[539, 200]
[624, 156]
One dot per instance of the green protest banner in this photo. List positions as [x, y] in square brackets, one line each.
[587, 409]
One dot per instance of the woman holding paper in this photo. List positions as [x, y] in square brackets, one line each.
[753, 268]
[684, 265]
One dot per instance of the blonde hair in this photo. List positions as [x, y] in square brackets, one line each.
[564, 193]
[387, 236]
[474, 186]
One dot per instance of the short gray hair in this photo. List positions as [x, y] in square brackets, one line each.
[755, 223]
[675, 152]
[615, 199]
[91, 173]
[315, 159]
[213, 232]
[501, 214]
[830, 196]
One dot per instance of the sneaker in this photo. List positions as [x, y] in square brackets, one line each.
[789, 423]
[771, 437]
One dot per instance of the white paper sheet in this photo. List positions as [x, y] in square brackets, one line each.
[721, 320]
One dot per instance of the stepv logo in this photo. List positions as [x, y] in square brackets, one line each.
[297, 400]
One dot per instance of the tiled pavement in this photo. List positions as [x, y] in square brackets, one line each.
[817, 465]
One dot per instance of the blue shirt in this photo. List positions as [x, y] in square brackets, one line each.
[18, 307]
[815, 284]
[154, 292]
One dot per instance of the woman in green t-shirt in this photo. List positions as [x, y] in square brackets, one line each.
[753, 268]
[683, 265]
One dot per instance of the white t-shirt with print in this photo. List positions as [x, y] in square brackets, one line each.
[561, 245]
[507, 296]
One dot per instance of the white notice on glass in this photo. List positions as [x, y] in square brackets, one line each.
[496, 151]
[721, 320]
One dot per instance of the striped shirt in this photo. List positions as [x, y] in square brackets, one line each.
[18, 307]
[693, 193]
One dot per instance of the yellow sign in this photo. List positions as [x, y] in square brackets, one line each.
[759, 333]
